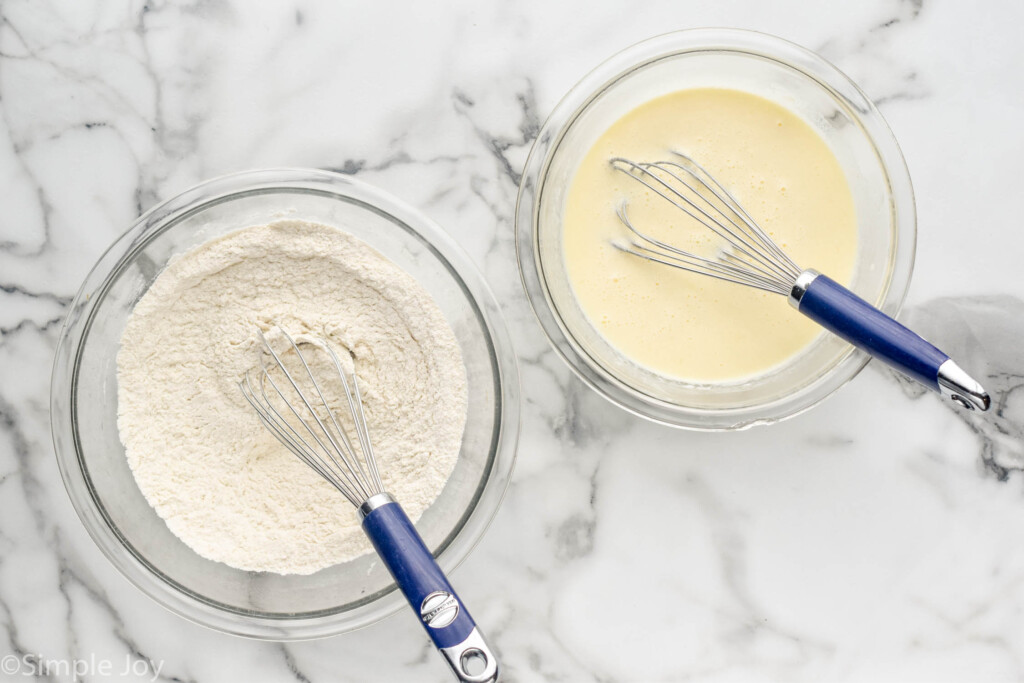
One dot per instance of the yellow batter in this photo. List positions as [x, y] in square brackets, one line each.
[682, 324]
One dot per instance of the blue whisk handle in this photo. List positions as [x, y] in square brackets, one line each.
[427, 590]
[839, 310]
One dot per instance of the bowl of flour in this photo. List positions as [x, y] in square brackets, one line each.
[170, 470]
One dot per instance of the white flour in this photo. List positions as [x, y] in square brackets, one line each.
[201, 457]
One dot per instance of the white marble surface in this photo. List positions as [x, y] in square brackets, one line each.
[877, 538]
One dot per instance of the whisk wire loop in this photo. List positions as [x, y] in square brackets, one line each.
[661, 186]
[670, 255]
[355, 404]
[349, 462]
[320, 442]
[734, 205]
[282, 429]
[750, 256]
[723, 223]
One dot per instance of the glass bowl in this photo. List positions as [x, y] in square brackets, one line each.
[763, 65]
[83, 402]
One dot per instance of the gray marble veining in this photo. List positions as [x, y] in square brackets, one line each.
[874, 538]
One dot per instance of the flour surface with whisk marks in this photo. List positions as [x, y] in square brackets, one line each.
[198, 452]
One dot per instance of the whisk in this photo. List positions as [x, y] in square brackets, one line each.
[294, 405]
[749, 257]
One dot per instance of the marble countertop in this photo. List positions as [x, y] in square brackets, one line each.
[875, 538]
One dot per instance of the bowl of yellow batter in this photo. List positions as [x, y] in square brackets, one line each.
[801, 148]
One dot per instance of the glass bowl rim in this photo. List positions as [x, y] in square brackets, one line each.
[605, 76]
[63, 428]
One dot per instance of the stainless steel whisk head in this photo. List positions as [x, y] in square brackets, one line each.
[750, 257]
[292, 404]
